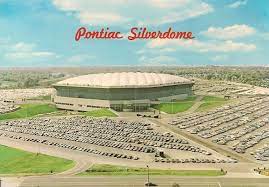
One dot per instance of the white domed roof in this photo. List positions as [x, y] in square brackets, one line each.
[124, 79]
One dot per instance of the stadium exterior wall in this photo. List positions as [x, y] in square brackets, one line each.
[120, 99]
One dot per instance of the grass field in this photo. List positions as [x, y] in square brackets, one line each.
[29, 110]
[211, 102]
[14, 161]
[105, 169]
[213, 99]
[100, 113]
[177, 106]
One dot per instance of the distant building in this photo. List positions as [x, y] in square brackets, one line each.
[126, 91]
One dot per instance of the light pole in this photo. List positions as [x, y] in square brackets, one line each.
[172, 107]
[148, 174]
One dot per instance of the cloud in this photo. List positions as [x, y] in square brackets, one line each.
[160, 60]
[122, 12]
[4, 41]
[202, 47]
[152, 51]
[101, 18]
[219, 58]
[230, 32]
[21, 46]
[27, 51]
[194, 10]
[237, 4]
[80, 58]
[167, 4]
[265, 36]
[28, 55]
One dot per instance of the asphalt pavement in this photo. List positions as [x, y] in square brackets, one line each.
[139, 181]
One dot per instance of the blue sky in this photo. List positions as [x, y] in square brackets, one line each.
[41, 32]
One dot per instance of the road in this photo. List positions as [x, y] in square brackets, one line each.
[138, 181]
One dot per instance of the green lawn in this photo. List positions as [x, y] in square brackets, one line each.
[174, 107]
[177, 106]
[100, 113]
[213, 99]
[15, 161]
[211, 102]
[106, 169]
[29, 110]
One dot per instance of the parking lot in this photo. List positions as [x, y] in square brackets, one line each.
[11, 97]
[123, 139]
[242, 127]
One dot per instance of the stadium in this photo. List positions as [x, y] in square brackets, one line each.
[125, 91]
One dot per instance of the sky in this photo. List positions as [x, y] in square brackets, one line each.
[40, 33]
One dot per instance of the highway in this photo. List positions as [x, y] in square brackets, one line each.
[138, 181]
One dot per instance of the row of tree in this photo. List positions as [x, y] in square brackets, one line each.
[28, 79]
[258, 76]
